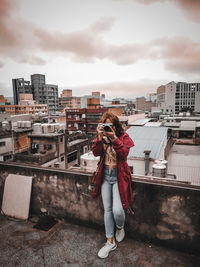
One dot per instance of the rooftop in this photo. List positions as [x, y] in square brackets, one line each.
[77, 141]
[183, 161]
[67, 244]
[147, 138]
[140, 122]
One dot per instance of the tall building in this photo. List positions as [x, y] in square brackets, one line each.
[45, 93]
[42, 93]
[177, 97]
[187, 96]
[20, 86]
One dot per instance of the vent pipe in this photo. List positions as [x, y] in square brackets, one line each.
[147, 154]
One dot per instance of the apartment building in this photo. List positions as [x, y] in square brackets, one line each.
[66, 100]
[45, 93]
[83, 119]
[69, 103]
[177, 97]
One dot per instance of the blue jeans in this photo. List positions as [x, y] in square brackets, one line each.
[113, 210]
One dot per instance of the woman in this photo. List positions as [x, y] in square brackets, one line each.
[113, 180]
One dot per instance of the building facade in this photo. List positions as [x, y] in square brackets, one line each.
[179, 97]
[42, 93]
[20, 86]
[66, 100]
[25, 109]
[143, 104]
[83, 119]
[45, 93]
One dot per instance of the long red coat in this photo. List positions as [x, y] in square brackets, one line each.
[121, 145]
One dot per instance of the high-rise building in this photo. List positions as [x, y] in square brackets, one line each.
[42, 93]
[187, 96]
[20, 86]
[177, 97]
[45, 93]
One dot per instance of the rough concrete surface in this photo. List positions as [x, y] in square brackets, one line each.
[68, 244]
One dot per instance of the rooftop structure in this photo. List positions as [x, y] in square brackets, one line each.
[183, 161]
[140, 122]
[147, 138]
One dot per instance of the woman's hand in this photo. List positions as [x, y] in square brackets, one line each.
[100, 131]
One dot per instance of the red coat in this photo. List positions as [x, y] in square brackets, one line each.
[121, 145]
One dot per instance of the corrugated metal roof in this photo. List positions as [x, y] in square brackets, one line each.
[147, 138]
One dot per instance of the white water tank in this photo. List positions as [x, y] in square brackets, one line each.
[89, 162]
[159, 170]
[23, 124]
[5, 125]
[19, 124]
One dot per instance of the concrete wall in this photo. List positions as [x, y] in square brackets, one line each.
[8, 148]
[139, 165]
[165, 214]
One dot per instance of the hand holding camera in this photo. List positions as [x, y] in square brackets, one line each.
[107, 130]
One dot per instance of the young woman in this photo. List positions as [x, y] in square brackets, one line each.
[113, 180]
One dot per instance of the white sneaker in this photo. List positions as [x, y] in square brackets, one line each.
[120, 234]
[104, 251]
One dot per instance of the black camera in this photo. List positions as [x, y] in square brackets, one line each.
[107, 127]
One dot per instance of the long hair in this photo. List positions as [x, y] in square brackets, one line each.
[115, 121]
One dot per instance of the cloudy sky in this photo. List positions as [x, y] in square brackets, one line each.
[123, 48]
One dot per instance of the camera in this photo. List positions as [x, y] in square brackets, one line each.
[107, 127]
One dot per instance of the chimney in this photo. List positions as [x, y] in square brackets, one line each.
[147, 153]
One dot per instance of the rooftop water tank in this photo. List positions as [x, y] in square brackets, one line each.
[159, 170]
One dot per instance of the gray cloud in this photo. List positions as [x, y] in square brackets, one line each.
[190, 8]
[25, 42]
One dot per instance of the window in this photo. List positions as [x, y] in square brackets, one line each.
[71, 157]
[61, 139]
[62, 158]
[2, 143]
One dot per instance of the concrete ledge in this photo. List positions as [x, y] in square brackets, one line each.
[166, 214]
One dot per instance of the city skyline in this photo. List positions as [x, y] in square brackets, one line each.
[123, 48]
